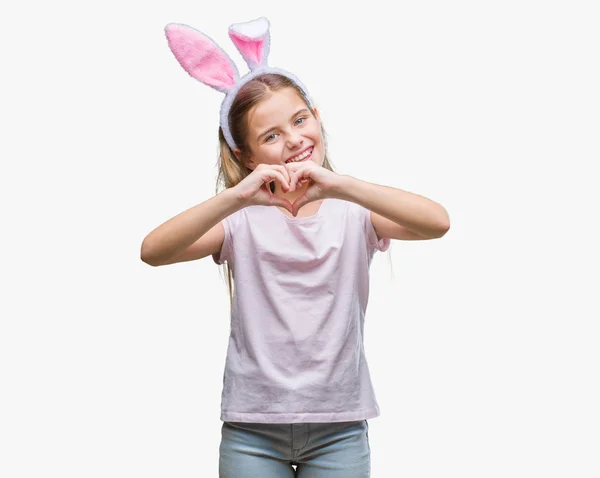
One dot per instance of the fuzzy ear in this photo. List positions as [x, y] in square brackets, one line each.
[201, 57]
[252, 39]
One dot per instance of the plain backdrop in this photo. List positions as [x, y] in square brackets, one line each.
[482, 345]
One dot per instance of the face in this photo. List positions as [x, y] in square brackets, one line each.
[282, 129]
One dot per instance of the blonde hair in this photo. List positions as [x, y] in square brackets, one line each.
[233, 170]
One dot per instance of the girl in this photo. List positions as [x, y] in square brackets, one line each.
[297, 240]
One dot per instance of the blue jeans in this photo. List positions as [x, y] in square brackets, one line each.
[318, 450]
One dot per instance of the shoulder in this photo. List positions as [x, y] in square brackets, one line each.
[247, 219]
[243, 214]
[351, 209]
[343, 205]
[364, 220]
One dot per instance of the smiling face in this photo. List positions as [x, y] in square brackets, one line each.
[281, 129]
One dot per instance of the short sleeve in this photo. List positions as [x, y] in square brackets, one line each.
[227, 248]
[374, 243]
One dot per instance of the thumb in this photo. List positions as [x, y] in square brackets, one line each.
[276, 201]
[301, 201]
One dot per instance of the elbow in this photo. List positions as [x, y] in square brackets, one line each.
[436, 233]
[147, 257]
[149, 261]
[443, 226]
[443, 229]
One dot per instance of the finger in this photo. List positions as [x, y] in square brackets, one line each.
[277, 201]
[284, 170]
[273, 174]
[299, 175]
[297, 181]
[301, 201]
[293, 182]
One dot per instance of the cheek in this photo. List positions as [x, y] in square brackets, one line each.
[319, 156]
[316, 135]
[270, 155]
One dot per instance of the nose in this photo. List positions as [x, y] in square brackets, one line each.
[294, 140]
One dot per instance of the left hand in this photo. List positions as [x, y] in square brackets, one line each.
[322, 182]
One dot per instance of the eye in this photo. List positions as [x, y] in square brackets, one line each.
[303, 119]
[272, 135]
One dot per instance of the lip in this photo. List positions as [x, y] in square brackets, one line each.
[300, 153]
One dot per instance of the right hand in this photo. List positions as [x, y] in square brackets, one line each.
[254, 188]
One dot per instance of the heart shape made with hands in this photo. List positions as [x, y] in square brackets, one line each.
[299, 174]
[299, 183]
[290, 170]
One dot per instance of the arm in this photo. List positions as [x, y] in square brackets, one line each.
[395, 213]
[171, 240]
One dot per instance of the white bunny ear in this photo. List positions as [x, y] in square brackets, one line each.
[201, 57]
[252, 39]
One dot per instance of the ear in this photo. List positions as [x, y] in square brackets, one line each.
[248, 161]
[316, 112]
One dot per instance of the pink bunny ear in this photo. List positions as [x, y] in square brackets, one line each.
[252, 39]
[201, 57]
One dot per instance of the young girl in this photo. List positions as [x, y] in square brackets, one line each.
[298, 240]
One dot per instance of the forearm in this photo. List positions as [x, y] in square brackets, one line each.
[178, 233]
[415, 212]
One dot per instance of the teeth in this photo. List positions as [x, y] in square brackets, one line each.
[301, 157]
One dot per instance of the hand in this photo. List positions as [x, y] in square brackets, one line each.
[254, 188]
[321, 181]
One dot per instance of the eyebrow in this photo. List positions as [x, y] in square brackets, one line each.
[303, 110]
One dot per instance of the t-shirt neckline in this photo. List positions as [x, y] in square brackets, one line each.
[316, 215]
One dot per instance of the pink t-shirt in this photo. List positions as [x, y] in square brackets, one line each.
[301, 287]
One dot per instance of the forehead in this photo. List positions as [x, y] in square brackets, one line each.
[275, 109]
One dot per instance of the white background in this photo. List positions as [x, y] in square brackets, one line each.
[483, 345]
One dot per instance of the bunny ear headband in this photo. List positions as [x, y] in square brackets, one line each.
[205, 61]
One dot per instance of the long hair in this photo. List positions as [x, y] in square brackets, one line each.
[233, 170]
